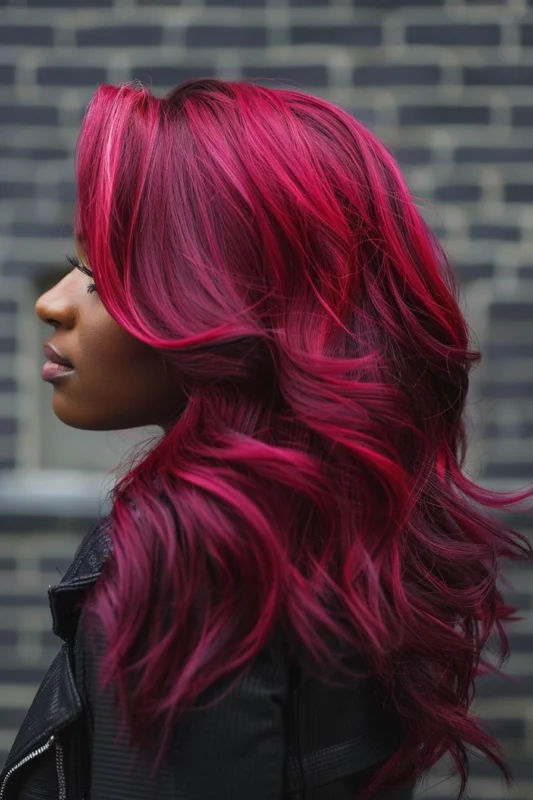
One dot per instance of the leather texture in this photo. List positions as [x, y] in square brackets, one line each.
[280, 734]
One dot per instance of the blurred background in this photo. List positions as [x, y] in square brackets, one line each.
[446, 84]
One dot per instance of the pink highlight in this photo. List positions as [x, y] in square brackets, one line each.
[266, 242]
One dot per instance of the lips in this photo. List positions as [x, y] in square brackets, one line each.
[53, 355]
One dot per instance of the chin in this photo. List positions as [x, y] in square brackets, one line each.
[70, 413]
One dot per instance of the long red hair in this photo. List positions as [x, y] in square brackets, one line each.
[267, 244]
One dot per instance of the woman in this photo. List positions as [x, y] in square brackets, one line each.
[293, 588]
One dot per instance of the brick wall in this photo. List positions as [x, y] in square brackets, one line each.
[445, 83]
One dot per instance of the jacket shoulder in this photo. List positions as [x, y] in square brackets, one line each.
[303, 733]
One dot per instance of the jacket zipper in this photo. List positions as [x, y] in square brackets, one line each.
[60, 767]
[39, 751]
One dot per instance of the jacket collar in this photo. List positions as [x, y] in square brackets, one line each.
[57, 702]
[66, 597]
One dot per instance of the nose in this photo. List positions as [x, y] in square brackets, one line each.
[53, 307]
[42, 308]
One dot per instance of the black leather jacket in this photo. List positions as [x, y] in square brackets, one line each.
[280, 735]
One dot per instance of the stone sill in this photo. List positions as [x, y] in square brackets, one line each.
[52, 493]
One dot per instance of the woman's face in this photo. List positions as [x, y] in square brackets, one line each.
[118, 382]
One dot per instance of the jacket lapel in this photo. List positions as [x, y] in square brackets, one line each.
[67, 596]
[57, 702]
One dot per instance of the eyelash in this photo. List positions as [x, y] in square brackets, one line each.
[76, 263]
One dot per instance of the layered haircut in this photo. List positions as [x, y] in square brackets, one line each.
[265, 242]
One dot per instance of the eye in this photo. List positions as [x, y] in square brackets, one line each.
[77, 263]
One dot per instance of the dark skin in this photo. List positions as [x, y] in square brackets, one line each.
[118, 381]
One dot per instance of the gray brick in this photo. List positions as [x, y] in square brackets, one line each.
[11, 718]
[439, 230]
[511, 729]
[225, 36]
[354, 35]
[502, 233]
[8, 306]
[65, 191]
[7, 344]
[472, 272]
[38, 153]
[522, 116]
[499, 430]
[45, 229]
[28, 115]
[511, 311]
[157, 75]
[71, 76]
[49, 639]
[56, 565]
[397, 75]
[444, 115]
[496, 686]
[7, 74]
[458, 193]
[498, 76]
[305, 75]
[526, 35]
[20, 600]
[8, 385]
[510, 389]
[493, 155]
[21, 674]
[514, 350]
[366, 116]
[521, 642]
[32, 269]
[413, 155]
[520, 600]
[526, 271]
[14, 190]
[453, 35]
[504, 471]
[8, 638]
[398, 4]
[120, 36]
[8, 425]
[244, 3]
[518, 193]
[69, 3]
[7, 564]
[520, 768]
[27, 35]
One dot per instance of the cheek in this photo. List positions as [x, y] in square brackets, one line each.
[119, 383]
[126, 370]
[122, 355]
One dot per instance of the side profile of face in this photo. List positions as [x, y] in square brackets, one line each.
[118, 382]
